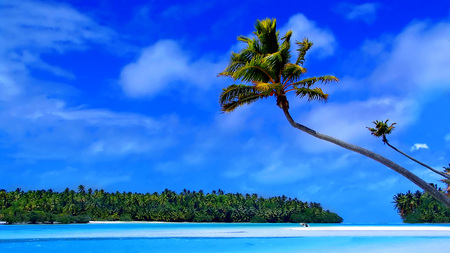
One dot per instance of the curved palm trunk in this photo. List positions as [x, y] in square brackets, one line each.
[399, 169]
[419, 162]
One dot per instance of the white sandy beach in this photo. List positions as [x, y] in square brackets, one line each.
[344, 230]
[400, 230]
[235, 230]
[376, 228]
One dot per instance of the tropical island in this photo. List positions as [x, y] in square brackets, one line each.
[421, 207]
[82, 206]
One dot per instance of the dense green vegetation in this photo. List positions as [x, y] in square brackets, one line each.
[47, 206]
[420, 207]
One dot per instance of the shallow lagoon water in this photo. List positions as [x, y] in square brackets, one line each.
[187, 237]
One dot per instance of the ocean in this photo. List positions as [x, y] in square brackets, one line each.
[219, 237]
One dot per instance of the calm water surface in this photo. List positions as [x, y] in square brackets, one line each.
[199, 238]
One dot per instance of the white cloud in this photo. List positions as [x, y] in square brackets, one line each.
[45, 128]
[418, 146]
[302, 27]
[164, 66]
[418, 60]
[365, 12]
[348, 120]
[157, 67]
[44, 26]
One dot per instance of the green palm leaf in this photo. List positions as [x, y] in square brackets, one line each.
[308, 82]
[312, 94]
[303, 47]
[255, 70]
[266, 31]
[293, 72]
[237, 95]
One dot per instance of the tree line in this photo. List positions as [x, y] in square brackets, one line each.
[81, 206]
[421, 207]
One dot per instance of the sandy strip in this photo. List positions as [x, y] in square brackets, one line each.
[126, 222]
[234, 231]
[345, 230]
[375, 228]
[373, 231]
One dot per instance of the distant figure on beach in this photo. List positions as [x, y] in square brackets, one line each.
[305, 225]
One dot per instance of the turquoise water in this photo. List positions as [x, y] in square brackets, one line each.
[199, 238]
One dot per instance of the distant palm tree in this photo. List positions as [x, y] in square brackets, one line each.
[264, 64]
[382, 130]
[446, 181]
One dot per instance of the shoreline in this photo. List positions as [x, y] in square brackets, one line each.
[236, 230]
[407, 227]
[312, 226]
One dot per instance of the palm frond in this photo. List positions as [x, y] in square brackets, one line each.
[262, 86]
[292, 72]
[274, 59]
[266, 31]
[244, 39]
[303, 47]
[255, 70]
[312, 94]
[240, 59]
[286, 47]
[230, 107]
[308, 82]
[237, 95]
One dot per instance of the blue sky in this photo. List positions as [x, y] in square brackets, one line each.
[123, 96]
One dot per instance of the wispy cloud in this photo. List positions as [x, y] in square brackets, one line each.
[44, 128]
[35, 28]
[43, 26]
[418, 146]
[365, 12]
[302, 27]
[411, 65]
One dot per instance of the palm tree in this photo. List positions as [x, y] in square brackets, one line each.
[446, 181]
[264, 65]
[382, 130]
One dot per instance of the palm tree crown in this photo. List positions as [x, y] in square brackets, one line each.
[382, 129]
[265, 63]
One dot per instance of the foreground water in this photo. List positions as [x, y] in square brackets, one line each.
[199, 238]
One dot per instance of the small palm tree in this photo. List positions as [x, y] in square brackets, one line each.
[447, 181]
[382, 129]
[265, 66]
